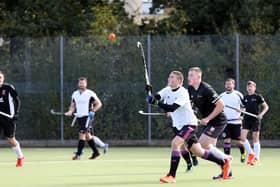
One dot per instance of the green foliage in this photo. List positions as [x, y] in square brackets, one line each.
[71, 18]
[221, 17]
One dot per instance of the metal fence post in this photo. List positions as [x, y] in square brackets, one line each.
[61, 89]
[149, 71]
[237, 61]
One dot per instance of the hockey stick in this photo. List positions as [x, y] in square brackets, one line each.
[151, 114]
[74, 121]
[56, 113]
[87, 122]
[140, 46]
[6, 115]
[60, 114]
[244, 112]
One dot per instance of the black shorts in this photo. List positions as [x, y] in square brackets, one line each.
[187, 133]
[232, 131]
[82, 125]
[214, 131]
[8, 126]
[255, 126]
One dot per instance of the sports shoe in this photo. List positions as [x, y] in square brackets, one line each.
[168, 179]
[20, 162]
[94, 156]
[220, 176]
[250, 159]
[194, 161]
[189, 168]
[76, 157]
[242, 158]
[227, 168]
[105, 148]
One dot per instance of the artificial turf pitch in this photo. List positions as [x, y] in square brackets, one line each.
[133, 167]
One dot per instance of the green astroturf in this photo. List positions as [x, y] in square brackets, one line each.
[133, 167]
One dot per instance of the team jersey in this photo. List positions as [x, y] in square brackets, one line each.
[9, 100]
[251, 104]
[83, 101]
[204, 99]
[233, 99]
[183, 115]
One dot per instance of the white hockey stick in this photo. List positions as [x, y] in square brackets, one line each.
[62, 114]
[56, 113]
[74, 121]
[151, 114]
[6, 115]
[87, 122]
[244, 112]
[147, 79]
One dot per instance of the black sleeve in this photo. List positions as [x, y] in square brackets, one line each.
[91, 103]
[168, 108]
[260, 99]
[211, 94]
[16, 99]
[157, 97]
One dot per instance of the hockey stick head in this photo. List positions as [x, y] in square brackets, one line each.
[52, 111]
[141, 112]
[139, 44]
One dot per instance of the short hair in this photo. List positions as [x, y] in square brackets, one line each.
[230, 80]
[179, 75]
[82, 79]
[251, 83]
[1, 72]
[196, 69]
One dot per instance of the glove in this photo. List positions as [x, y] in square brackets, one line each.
[151, 100]
[91, 115]
[148, 88]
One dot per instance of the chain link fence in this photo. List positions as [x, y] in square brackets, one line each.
[115, 72]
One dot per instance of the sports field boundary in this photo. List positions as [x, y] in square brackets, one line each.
[116, 143]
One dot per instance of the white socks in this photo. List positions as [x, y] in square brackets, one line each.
[17, 150]
[257, 149]
[218, 153]
[98, 141]
[247, 147]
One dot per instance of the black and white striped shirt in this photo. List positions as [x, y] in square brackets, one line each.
[9, 100]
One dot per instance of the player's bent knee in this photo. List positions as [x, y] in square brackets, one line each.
[228, 140]
[82, 136]
[89, 136]
[192, 143]
[177, 143]
[12, 141]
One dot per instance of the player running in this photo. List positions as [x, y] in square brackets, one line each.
[10, 105]
[233, 98]
[252, 102]
[86, 103]
[206, 100]
[174, 99]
